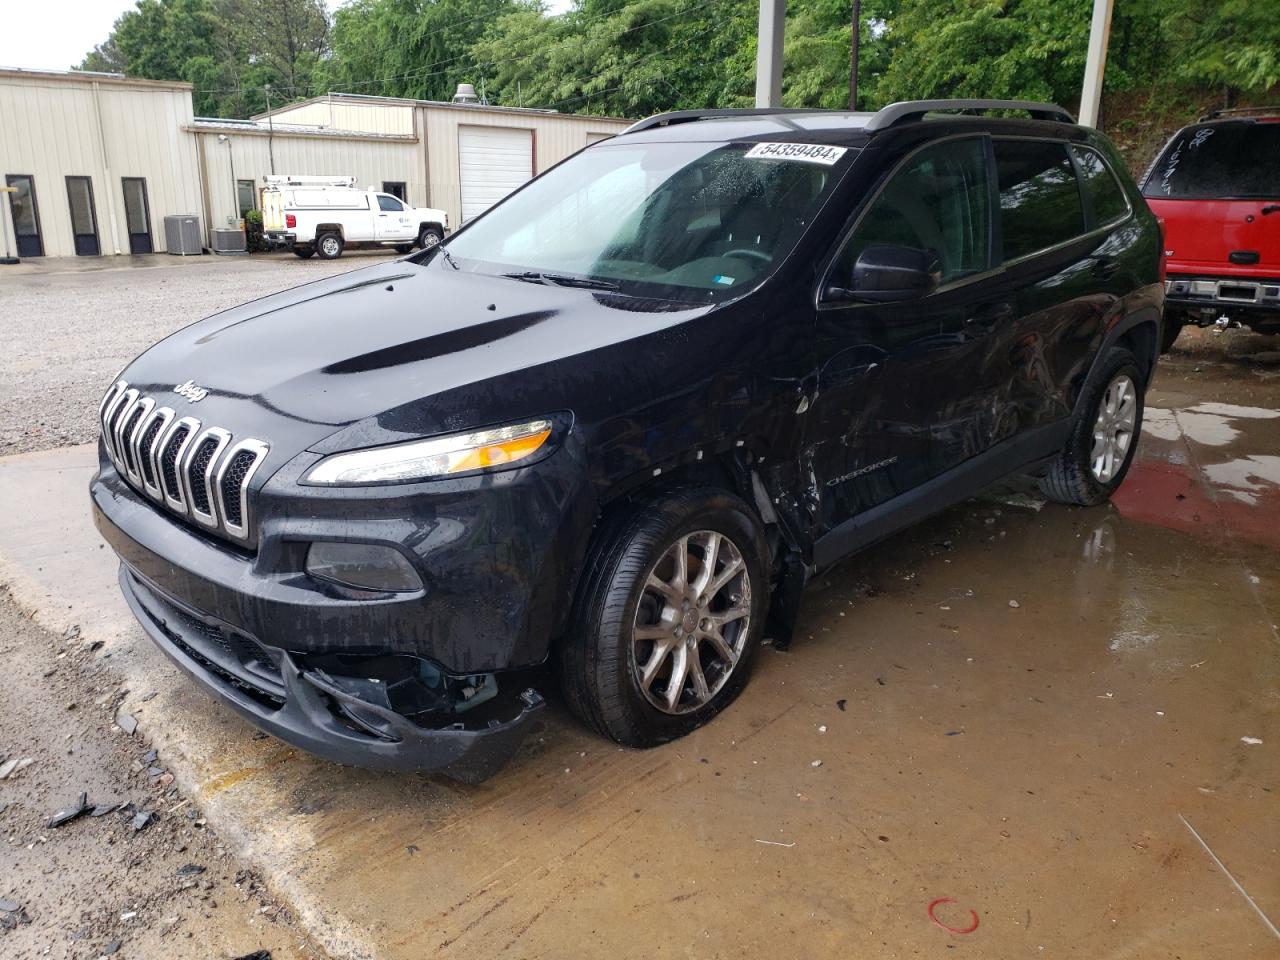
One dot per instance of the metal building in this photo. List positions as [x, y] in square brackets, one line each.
[97, 160]
[470, 155]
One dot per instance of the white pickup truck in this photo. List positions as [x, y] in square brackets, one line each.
[325, 215]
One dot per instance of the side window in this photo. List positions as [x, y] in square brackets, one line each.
[940, 202]
[389, 203]
[1039, 196]
[1100, 186]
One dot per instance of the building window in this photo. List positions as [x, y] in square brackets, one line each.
[26, 218]
[246, 196]
[396, 188]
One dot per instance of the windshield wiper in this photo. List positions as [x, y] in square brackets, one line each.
[562, 280]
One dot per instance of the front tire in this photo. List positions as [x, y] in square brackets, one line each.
[329, 246]
[1103, 438]
[668, 618]
[429, 237]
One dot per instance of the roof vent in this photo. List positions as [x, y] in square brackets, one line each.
[466, 93]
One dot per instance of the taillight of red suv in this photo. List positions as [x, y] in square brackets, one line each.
[1164, 251]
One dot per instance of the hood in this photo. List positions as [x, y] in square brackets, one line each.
[297, 366]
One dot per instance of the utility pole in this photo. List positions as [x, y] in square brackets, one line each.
[773, 16]
[855, 40]
[271, 129]
[1095, 65]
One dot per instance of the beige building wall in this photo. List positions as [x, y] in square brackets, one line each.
[555, 136]
[370, 161]
[56, 125]
[343, 114]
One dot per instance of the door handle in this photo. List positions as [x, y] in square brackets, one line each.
[1270, 209]
[1105, 267]
[990, 314]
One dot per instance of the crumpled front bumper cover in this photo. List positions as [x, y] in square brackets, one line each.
[305, 709]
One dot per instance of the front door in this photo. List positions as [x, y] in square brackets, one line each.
[392, 221]
[84, 221]
[137, 215]
[890, 373]
[26, 216]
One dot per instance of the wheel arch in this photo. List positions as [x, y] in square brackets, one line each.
[323, 228]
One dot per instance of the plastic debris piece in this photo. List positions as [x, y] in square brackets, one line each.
[256, 955]
[126, 722]
[190, 870]
[67, 814]
[111, 948]
[948, 927]
[815, 763]
[8, 906]
[840, 705]
[1015, 604]
[1251, 741]
[142, 819]
[10, 767]
[102, 809]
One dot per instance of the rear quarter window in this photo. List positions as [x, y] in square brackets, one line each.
[1218, 161]
[1101, 186]
[1040, 203]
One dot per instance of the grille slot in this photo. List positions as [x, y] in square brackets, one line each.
[131, 421]
[200, 461]
[200, 474]
[169, 461]
[232, 480]
[146, 451]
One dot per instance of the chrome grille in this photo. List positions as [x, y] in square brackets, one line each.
[198, 471]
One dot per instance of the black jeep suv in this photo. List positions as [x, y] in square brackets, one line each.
[614, 424]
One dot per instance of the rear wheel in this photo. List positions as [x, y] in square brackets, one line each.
[429, 237]
[304, 252]
[329, 246]
[668, 618]
[1103, 438]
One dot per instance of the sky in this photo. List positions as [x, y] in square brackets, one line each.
[56, 34]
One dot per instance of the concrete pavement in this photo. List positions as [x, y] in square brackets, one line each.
[1033, 763]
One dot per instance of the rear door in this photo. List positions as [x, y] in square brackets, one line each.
[273, 210]
[889, 372]
[1058, 272]
[1217, 186]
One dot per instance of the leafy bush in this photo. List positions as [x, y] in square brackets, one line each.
[254, 241]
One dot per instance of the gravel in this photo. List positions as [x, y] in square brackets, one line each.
[70, 325]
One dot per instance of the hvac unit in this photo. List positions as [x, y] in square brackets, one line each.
[228, 240]
[182, 235]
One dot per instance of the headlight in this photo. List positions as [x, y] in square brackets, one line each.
[438, 457]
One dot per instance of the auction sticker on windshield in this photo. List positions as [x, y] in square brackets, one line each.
[804, 152]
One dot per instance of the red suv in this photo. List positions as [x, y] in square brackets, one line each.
[1216, 186]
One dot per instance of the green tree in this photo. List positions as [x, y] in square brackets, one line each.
[410, 48]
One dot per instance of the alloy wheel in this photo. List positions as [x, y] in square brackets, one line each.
[1114, 428]
[692, 622]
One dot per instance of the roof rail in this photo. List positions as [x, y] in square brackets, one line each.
[908, 110]
[686, 116]
[1237, 112]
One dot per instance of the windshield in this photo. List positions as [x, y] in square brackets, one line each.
[692, 221]
[1221, 160]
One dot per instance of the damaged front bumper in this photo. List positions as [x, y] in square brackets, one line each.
[345, 717]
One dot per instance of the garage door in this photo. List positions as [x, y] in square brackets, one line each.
[492, 162]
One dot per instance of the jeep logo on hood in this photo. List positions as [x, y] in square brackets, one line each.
[190, 391]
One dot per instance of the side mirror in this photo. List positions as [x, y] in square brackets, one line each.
[886, 273]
